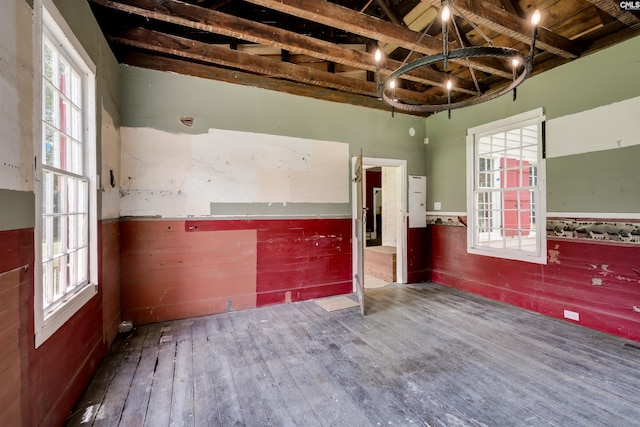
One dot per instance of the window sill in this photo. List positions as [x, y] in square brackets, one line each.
[59, 317]
[510, 255]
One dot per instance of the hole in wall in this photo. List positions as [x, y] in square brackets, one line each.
[187, 121]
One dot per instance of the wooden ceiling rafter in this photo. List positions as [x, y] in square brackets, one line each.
[190, 16]
[511, 25]
[324, 49]
[612, 8]
[154, 41]
[374, 28]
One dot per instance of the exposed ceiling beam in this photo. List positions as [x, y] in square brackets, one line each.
[187, 15]
[487, 15]
[155, 62]
[371, 27]
[186, 48]
[613, 8]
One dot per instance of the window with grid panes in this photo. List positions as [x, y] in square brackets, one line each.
[67, 156]
[505, 189]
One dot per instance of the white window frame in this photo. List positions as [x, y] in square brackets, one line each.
[46, 15]
[538, 256]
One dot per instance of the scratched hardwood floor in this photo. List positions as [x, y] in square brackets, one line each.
[424, 355]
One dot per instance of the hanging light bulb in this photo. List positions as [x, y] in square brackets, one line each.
[535, 18]
[446, 13]
[378, 56]
[515, 64]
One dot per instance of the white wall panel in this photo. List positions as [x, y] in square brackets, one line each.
[16, 96]
[603, 128]
[180, 175]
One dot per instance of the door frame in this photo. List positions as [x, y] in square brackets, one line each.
[401, 218]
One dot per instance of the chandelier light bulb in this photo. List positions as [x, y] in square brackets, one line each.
[378, 55]
[446, 14]
[449, 85]
[515, 62]
[392, 84]
[535, 18]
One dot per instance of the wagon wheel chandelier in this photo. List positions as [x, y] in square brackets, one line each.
[521, 65]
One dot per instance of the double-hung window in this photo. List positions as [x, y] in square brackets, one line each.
[65, 193]
[505, 188]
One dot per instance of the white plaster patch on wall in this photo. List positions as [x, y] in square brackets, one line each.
[110, 140]
[180, 175]
[10, 147]
[155, 172]
[603, 128]
[325, 178]
[154, 160]
[16, 95]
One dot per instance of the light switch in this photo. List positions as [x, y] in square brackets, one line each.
[437, 206]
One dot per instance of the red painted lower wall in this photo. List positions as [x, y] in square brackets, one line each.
[173, 269]
[600, 281]
[417, 255]
[41, 386]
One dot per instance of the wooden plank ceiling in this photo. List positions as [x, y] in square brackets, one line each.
[325, 49]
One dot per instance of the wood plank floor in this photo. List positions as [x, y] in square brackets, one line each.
[424, 355]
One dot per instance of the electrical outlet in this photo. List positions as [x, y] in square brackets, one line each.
[437, 206]
[572, 315]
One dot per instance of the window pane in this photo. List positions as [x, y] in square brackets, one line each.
[63, 82]
[76, 89]
[59, 187]
[83, 192]
[47, 282]
[72, 271]
[58, 266]
[49, 147]
[58, 231]
[65, 115]
[72, 232]
[50, 99]
[74, 156]
[76, 124]
[83, 265]
[47, 61]
[72, 194]
[83, 231]
[47, 237]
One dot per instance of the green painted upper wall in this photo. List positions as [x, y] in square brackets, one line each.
[603, 78]
[158, 99]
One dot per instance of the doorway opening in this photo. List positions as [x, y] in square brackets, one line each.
[384, 253]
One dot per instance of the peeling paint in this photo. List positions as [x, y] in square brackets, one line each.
[554, 254]
[596, 281]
